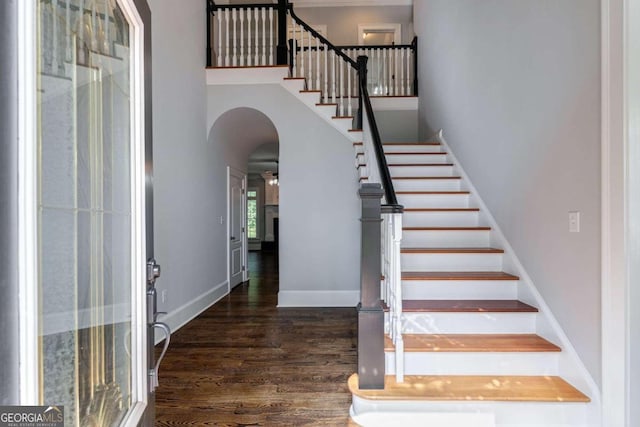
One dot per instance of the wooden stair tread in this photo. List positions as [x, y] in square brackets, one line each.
[457, 275]
[433, 192]
[442, 209]
[473, 388]
[320, 104]
[427, 177]
[420, 164]
[446, 228]
[342, 117]
[310, 91]
[466, 343]
[451, 251]
[467, 306]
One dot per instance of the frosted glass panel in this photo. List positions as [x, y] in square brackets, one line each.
[85, 217]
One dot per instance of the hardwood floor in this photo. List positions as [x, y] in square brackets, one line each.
[245, 362]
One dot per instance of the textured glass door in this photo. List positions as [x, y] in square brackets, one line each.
[90, 211]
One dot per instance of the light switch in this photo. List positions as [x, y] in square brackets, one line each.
[574, 222]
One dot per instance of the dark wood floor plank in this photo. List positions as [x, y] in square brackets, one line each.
[244, 362]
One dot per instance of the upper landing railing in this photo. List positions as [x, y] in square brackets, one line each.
[267, 34]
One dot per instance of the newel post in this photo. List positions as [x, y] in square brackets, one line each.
[281, 49]
[362, 81]
[370, 312]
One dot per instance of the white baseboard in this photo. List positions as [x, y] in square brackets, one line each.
[318, 298]
[187, 312]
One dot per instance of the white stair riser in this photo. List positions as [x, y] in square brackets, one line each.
[451, 262]
[327, 111]
[441, 219]
[412, 148]
[417, 158]
[507, 414]
[445, 239]
[434, 419]
[480, 363]
[459, 289]
[309, 98]
[467, 323]
[434, 200]
[426, 184]
[344, 124]
[355, 136]
[293, 85]
[421, 170]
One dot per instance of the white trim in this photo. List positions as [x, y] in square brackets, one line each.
[139, 362]
[570, 366]
[318, 298]
[246, 75]
[182, 315]
[27, 205]
[615, 392]
[394, 103]
[396, 28]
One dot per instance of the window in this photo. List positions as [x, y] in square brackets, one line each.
[252, 214]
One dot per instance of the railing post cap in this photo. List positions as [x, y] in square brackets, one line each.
[371, 190]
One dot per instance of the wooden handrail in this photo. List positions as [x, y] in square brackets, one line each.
[365, 103]
[322, 39]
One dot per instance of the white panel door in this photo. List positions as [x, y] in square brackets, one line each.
[236, 227]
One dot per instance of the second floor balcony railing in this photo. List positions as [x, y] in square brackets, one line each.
[268, 34]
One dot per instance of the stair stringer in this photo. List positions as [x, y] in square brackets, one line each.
[570, 366]
[342, 124]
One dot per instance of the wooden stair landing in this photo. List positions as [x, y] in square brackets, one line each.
[472, 388]
[467, 343]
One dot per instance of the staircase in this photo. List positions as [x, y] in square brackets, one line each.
[468, 339]
[470, 346]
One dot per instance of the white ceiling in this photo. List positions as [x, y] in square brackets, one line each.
[263, 159]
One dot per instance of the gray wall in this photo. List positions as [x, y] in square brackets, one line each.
[342, 22]
[397, 126]
[183, 212]
[9, 363]
[319, 208]
[516, 87]
[190, 174]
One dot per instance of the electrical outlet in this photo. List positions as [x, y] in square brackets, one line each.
[574, 222]
[163, 295]
[222, 220]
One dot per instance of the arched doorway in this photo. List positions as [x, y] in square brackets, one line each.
[241, 132]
